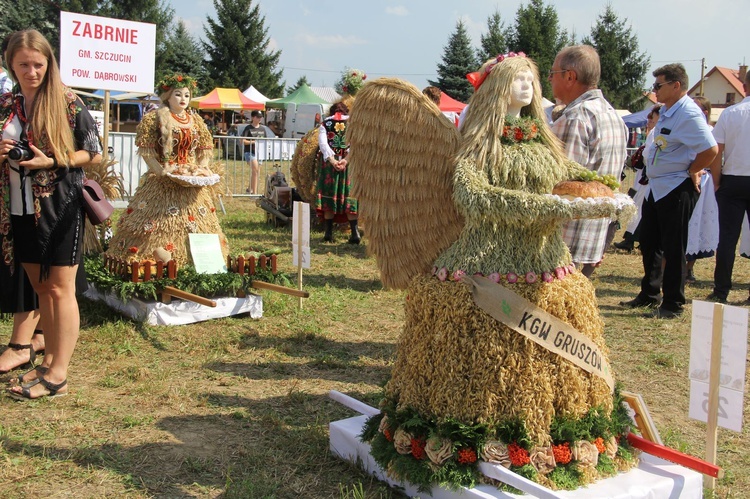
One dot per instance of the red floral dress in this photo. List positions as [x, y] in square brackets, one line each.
[333, 186]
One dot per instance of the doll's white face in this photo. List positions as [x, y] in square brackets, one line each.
[522, 89]
[179, 100]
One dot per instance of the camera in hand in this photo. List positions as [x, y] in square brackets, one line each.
[21, 151]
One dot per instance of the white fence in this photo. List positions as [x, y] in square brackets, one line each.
[130, 166]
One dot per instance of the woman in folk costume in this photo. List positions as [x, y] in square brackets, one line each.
[334, 204]
[487, 223]
[175, 197]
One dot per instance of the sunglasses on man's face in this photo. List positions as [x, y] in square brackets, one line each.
[657, 86]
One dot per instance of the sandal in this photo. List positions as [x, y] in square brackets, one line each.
[19, 381]
[53, 390]
[17, 347]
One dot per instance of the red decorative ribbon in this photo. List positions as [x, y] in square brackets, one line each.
[477, 77]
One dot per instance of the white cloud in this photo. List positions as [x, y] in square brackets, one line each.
[397, 11]
[329, 40]
[475, 29]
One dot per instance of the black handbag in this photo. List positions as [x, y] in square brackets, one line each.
[98, 209]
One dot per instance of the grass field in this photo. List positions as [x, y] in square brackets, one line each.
[237, 408]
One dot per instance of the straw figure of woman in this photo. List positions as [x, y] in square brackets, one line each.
[481, 206]
[175, 197]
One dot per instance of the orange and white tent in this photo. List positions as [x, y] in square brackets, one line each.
[226, 99]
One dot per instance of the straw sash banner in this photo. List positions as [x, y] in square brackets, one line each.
[539, 326]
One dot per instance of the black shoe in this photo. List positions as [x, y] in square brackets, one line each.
[328, 237]
[624, 245]
[716, 298]
[690, 277]
[663, 313]
[639, 303]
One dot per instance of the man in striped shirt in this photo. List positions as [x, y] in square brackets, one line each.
[593, 135]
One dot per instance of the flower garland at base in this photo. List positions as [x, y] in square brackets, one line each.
[427, 452]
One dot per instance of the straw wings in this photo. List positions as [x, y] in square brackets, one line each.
[401, 168]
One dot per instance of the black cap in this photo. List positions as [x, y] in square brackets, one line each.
[255, 114]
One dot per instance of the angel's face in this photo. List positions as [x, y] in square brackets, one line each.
[522, 89]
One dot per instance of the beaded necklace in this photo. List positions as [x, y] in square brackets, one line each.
[184, 120]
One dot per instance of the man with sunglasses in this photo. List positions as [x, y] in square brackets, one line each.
[683, 147]
[593, 135]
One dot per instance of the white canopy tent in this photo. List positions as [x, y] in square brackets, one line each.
[253, 94]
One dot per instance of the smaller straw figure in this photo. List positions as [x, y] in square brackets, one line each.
[175, 197]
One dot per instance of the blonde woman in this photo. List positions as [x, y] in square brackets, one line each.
[48, 136]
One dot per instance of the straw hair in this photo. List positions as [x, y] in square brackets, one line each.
[485, 117]
[405, 147]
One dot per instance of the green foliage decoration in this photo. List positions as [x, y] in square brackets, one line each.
[187, 279]
[380, 431]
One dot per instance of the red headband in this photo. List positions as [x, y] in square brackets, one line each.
[477, 77]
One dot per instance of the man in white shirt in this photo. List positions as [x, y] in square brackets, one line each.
[732, 181]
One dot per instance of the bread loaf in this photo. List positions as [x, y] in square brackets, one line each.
[571, 189]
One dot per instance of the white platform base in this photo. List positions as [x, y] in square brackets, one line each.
[179, 312]
[653, 479]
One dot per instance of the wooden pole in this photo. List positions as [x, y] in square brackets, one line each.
[299, 222]
[703, 69]
[168, 292]
[105, 135]
[713, 391]
[280, 289]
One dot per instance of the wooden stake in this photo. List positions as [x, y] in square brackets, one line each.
[298, 220]
[168, 292]
[713, 391]
[280, 289]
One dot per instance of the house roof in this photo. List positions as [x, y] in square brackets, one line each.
[327, 93]
[732, 76]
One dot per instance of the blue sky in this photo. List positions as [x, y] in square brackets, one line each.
[406, 39]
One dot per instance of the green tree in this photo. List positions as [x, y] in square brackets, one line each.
[623, 66]
[495, 41]
[183, 54]
[237, 48]
[147, 11]
[458, 60]
[31, 14]
[537, 32]
[301, 81]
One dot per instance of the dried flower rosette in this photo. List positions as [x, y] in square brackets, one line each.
[402, 441]
[543, 459]
[438, 449]
[585, 453]
[496, 452]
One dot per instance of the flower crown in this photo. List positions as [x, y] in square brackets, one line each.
[177, 81]
[352, 80]
[477, 77]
